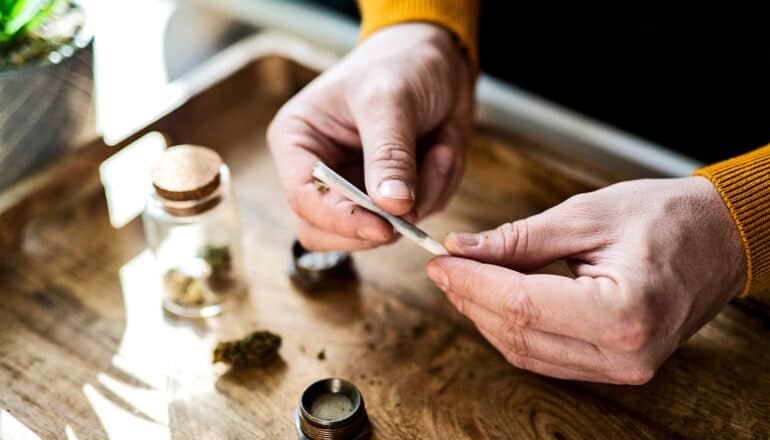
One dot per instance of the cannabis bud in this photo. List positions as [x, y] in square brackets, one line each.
[258, 349]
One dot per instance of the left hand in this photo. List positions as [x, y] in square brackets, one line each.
[654, 261]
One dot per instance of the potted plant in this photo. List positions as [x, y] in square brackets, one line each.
[46, 83]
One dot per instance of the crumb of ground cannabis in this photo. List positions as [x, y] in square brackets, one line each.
[321, 354]
[419, 329]
[371, 346]
[352, 210]
[368, 327]
[320, 186]
[436, 369]
[258, 349]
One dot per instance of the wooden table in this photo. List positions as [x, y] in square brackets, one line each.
[86, 352]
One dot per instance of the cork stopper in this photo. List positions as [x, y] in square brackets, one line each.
[186, 173]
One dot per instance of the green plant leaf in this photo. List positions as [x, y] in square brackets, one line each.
[6, 6]
[22, 13]
[43, 14]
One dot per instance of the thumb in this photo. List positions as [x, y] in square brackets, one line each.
[526, 244]
[387, 126]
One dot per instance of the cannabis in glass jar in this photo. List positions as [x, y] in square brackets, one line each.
[191, 222]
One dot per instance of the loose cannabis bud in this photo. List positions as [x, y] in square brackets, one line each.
[258, 349]
[320, 186]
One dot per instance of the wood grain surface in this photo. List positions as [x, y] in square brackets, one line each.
[86, 352]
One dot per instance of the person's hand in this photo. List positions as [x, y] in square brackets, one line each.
[392, 117]
[654, 261]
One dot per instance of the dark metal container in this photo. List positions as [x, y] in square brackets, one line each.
[353, 426]
[317, 271]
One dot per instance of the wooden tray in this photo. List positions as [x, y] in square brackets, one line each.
[86, 351]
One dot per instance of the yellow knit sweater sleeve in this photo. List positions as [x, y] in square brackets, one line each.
[744, 184]
[459, 16]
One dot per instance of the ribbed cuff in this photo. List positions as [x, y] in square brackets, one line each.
[744, 184]
[461, 17]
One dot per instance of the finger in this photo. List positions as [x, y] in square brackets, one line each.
[318, 240]
[530, 243]
[296, 147]
[330, 211]
[555, 349]
[386, 124]
[442, 166]
[440, 173]
[541, 367]
[549, 303]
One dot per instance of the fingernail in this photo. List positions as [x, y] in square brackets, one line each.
[439, 277]
[465, 239]
[371, 233]
[395, 189]
[445, 161]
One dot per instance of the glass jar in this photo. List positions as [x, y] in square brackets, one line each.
[191, 223]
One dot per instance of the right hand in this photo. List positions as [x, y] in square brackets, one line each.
[392, 117]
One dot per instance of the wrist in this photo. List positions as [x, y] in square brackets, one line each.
[423, 40]
[743, 182]
[417, 33]
[724, 233]
[446, 41]
[459, 17]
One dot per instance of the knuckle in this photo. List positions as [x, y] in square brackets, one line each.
[379, 87]
[513, 238]
[629, 337]
[392, 154]
[518, 311]
[516, 341]
[634, 327]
